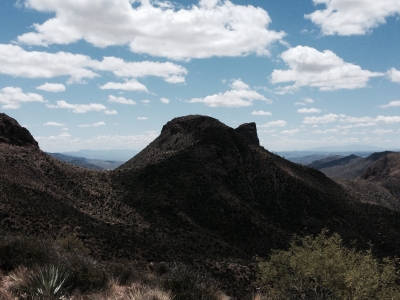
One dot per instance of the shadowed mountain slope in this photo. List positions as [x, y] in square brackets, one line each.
[202, 193]
[204, 177]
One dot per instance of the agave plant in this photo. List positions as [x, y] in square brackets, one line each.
[48, 282]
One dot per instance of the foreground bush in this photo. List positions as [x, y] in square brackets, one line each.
[48, 282]
[322, 268]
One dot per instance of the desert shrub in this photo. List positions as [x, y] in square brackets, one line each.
[71, 243]
[123, 272]
[188, 284]
[41, 282]
[20, 250]
[322, 268]
[87, 274]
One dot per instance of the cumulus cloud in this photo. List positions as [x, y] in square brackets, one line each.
[329, 118]
[132, 85]
[120, 100]
[290, 132]
[170, 72]
[278, 123]
[54, 124]
[391, 104]
[110, 112]
[52, 87]
[324, 70]
[381, 131]
[15, 61]
[344, 17]
[13, 97]
[394, 75]
[142, 118]
[388, 119]
[240, 95]
[309, 110]
[361, 121]
[78, 108]
[92, 125]
[158, 28]
[164, 100]
[261, 113]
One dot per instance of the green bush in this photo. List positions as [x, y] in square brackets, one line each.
[322, 268]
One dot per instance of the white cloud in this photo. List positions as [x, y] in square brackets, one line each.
[54, 124]
[381, 131]
[78, 108]
[290, 132]
[394, 75]
[211, 28]
[388, 120]
[142, 118]
[238, 84]
[15, 61]
[93, 125]
[300, 103]
[131, 85]
[13, 97]
[391, 104]
[261, 113]
[324, 70]
[332, 130]
[368, 124]
[361, 121]
[239, 96]
[309, 110]
[120, 100]
[65, 142]
[329, 118]
[170, 72]
[110, 112]
[52, 87]
[145, 101]
[344, 17]
[165, 100]
[278, 123]
[308, 100]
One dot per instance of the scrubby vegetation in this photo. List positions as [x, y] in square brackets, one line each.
[323, 268]
[37, 268]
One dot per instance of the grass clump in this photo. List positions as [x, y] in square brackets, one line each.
[42, 282]
[322, 268]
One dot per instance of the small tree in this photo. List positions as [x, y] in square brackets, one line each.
[322, 268]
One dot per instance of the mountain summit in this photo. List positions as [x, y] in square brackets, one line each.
[13, 133]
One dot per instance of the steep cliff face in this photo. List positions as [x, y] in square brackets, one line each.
[12, 133]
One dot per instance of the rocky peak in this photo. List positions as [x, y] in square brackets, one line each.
[249, 132]
[13, 133]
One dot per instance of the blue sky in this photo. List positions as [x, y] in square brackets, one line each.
[108, 74]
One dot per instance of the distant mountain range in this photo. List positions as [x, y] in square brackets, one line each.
[119, 155]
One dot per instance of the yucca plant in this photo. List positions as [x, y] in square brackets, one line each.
[48, 282]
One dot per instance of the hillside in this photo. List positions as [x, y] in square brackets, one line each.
[348, 167]
[201, 193]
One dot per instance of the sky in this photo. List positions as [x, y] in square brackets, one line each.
[108, 74]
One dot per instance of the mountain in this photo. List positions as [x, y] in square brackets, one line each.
[118, 155]
[201, 193]
[94, 164]
[348, 148]
[348, 167]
